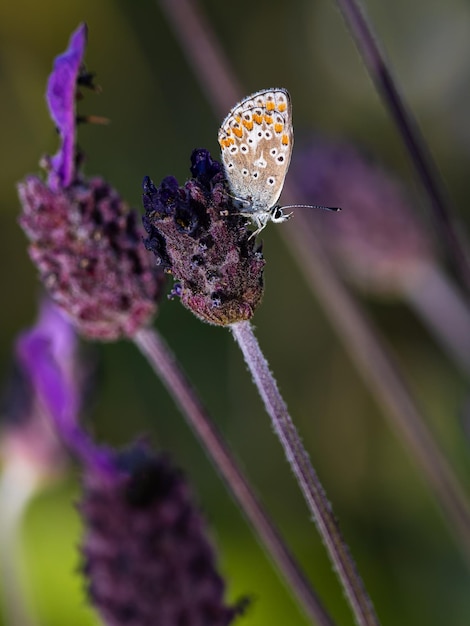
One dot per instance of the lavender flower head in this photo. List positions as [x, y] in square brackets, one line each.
[197, 236]
[61, 97]
[84, 240]
[147, 558]
[377, 239]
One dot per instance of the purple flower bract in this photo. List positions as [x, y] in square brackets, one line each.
[61, 96]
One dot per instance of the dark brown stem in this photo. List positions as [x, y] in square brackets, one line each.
[426, 169]
[203, 52]
[165, 366]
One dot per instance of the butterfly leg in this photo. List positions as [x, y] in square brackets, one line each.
[260, 220]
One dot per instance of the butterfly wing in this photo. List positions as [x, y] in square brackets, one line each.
[256, 139]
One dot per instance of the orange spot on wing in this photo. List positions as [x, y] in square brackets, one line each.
[257, 118]
[225, 143]
[268, 119]
[282, 106]
[238, 132]
[270, 106]
[285, 140]
[278, 128]
[248, 124]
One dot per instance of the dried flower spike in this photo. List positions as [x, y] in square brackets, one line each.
[198, 236]
[84, 240]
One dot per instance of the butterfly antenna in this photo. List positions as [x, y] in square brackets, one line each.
[312, 206]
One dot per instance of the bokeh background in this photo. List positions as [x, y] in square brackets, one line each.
[159, 112]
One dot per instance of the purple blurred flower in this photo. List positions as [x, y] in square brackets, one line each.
[198, 236]
[85, 241]
[377, 238]
[47, 353]
[28, 435]
[146, 553]
[48, 357]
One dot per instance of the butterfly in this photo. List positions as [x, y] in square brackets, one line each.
[256, 140]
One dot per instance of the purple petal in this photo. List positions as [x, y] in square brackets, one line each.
[63, 339]
[47, 354]
[36, 356]
[60, 96]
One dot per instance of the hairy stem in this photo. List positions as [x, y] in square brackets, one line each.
[306, 477]
[377, 367]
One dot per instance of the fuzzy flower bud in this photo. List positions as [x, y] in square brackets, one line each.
[146, 555]
[197, 236]
[87, 246]
[377, 239]
[84, 240]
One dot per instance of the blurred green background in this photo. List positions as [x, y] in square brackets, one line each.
[159, 113]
